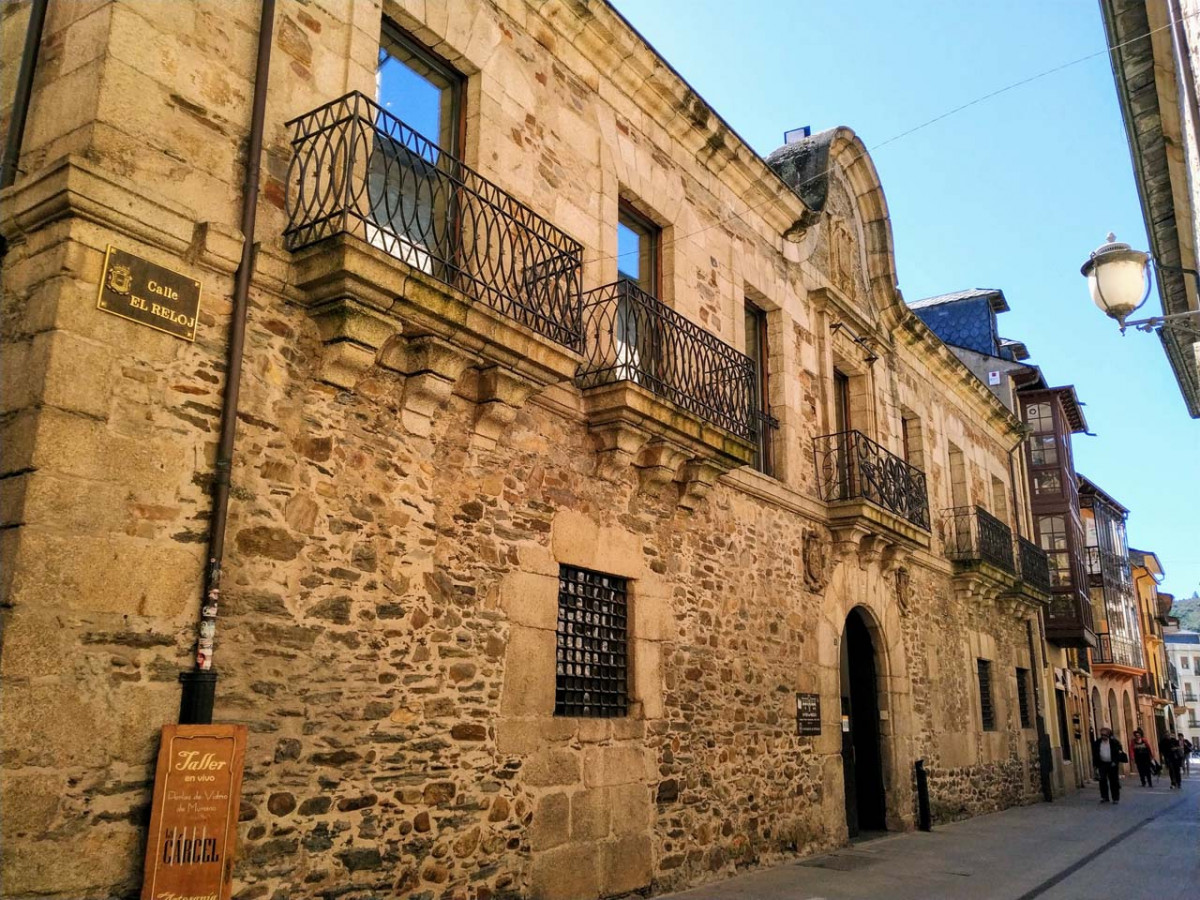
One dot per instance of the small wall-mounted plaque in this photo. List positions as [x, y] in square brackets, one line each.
[808, 715]
[135, 289]
[193, 819]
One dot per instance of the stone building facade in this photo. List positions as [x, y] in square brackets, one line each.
[436, 451]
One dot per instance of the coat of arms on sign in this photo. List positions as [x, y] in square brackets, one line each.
[120, 279]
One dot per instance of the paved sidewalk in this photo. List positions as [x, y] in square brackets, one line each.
[1072, 849]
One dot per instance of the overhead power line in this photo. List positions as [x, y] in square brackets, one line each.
[983, 98]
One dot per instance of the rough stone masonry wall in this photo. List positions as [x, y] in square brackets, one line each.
[375, 631]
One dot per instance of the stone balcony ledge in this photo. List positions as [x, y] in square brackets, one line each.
[632, 426]
[374, 309]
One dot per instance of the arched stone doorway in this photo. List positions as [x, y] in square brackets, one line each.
[1097, 712]
[1114, 719]
[862, 756]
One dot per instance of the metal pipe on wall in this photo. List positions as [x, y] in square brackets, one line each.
[20, 109]
[199, 685]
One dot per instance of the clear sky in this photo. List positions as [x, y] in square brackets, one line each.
[1012, 193]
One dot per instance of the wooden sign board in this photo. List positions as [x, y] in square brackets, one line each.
[193, 822]
[808, 715]
[139, 290]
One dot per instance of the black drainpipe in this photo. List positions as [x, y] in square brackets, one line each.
[20, 109]
[200, 684]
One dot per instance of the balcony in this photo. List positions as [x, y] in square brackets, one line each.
[664, 394]
[1146, 686]
[392, 237]
[1116, 653]
[1034, 565]
[1092, 560]
[973, 535]
[876, 499]
[1069, 619]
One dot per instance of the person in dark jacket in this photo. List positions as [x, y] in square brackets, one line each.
[1143, 758]
[1170, 751]
[1107, 756]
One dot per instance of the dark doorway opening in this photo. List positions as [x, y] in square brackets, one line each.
[862, 761]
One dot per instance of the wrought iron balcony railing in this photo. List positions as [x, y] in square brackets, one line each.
[1035, 565]
[974, 534]
[764, 454]
[357, 169]
[1145, 685]
[631, 336]
[851, 465]
[1110, 651]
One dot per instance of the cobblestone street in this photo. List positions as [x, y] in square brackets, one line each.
[1073, 848]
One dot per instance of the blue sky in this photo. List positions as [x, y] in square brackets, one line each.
[1011, 193]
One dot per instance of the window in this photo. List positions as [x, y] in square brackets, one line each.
[756, 349]
[592, 666]
[1039, 417]
[1052, 537]
[1023, 697]
[418, 88]
[639, 343]
[841, 402]
[409, 188]
[1043, 450]
[638, 241]
[986, 711]
[1047, 483]
[1184, 660]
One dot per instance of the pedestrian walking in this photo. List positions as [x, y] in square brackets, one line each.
[1170, 750]
[1187, 754]
[1143, 758]
[1107, 756]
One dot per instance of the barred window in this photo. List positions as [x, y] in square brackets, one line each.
[986, 710]
[592, 655]
[1023, 697]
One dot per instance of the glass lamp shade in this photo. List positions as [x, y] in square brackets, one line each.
[1117, 278]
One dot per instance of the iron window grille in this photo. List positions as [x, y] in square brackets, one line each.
[1023, 697]
[987, 711]
[357, 169]
[592, 656]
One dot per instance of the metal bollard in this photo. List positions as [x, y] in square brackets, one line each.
[924, 818]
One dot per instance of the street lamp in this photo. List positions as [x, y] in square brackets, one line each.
[1119, 282]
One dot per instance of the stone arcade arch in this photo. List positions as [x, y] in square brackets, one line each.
[1097, 711]
[1114, 720]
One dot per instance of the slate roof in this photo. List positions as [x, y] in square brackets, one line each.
[965, 319]
[1181, 637]
[995, 297]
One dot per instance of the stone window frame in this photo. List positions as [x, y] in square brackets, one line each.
[528, 596]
